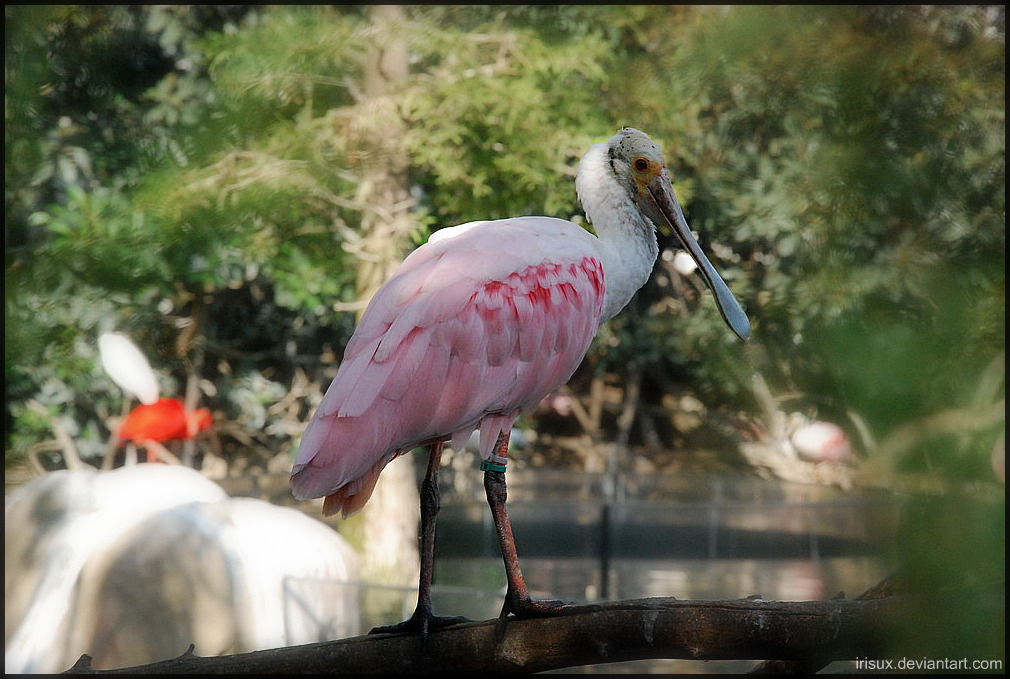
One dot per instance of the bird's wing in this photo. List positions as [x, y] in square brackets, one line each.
[483, 320]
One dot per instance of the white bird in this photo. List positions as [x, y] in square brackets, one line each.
[126, 364]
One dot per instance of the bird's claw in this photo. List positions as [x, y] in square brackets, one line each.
[520, 608]
[420, 624]
[533, 608]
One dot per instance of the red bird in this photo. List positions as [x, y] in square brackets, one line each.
[164, 420]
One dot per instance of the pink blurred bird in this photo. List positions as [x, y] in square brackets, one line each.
[480, 324]
[822, 442]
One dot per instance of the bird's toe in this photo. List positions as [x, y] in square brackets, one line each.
[420, 624]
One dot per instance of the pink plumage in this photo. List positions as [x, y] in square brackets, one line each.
[477, 325]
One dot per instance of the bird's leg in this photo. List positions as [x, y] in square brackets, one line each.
[517, 597]
[157, 451]
[422, 620]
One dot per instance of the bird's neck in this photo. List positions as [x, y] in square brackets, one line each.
[627, 240]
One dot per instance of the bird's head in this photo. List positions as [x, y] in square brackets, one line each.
[638, 164]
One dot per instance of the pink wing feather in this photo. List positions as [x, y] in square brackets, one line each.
[477, 325]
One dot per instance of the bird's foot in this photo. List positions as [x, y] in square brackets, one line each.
[532, 608]
[420, 624]
[524, 607]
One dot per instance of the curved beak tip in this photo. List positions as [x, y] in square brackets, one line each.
[660, 204]
[743, 329]
[732, 312]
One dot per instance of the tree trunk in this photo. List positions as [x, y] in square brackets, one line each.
[378, 139]
[391, 517]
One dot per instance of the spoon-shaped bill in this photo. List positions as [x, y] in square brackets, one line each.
[661, 205]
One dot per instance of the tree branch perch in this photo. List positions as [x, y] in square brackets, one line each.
[619, 631]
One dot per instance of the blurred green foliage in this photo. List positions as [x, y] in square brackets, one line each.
[189, 175]
[843, 165]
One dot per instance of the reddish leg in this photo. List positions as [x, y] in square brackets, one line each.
[422, 620]
[517, 597]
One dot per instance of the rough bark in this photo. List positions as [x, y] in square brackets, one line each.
[810, 634]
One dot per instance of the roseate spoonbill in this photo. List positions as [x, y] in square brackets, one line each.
[164, 420]
[480, 323]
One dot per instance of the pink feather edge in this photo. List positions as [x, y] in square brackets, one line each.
[476, 326]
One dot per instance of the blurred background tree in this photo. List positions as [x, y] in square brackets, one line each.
[203, 178]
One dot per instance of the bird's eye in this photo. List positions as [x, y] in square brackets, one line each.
[641, 164]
